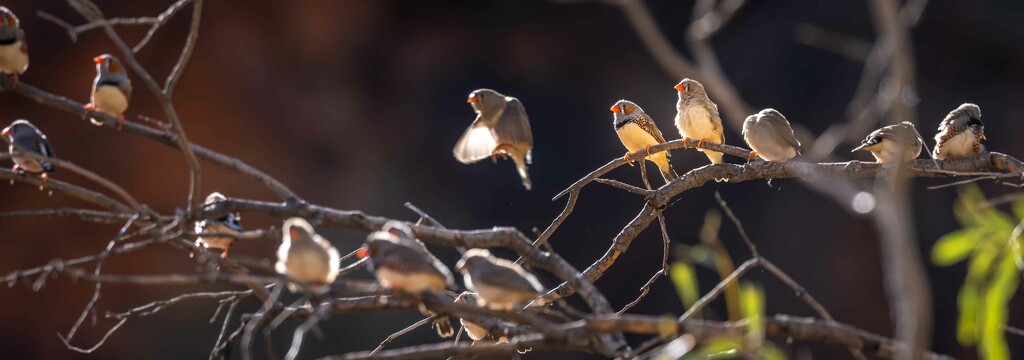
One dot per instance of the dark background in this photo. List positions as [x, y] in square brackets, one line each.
[357, 104]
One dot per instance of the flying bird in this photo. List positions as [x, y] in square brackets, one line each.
[893, 143]
[500, 284]
[111, 89]
[23, 136]
[960, 134]
[768, 133]
[402, 263]
[228, 224]
[697, 118]
[306, 257]
[637, 131]
[13, 48]
[501, 129]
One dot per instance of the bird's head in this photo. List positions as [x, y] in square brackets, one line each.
[625, 108]
[108, 64]
[690, 86]
[7, 19]
[471, 258]
[17, 127]
[298, 229]
[486, 100]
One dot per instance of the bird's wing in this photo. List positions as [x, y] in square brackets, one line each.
[513, 126]
[645, 122]
[475, 144]
[127, 89]
[406, 259]
[716, 119]
[784, 130]
[507, 278]
[44, 148]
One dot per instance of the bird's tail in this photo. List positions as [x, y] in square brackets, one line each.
[520, 160]
[443, 325]
[666, 167]
[48, 167]
[714, 156]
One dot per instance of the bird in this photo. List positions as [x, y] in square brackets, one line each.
[111, 89]
[474, 330]
[23, 136]
[227, 224]
[894, 143]
[960, 134]
[768, 133]
[637, 131]
[400, 262]
[500, 284]
[306, 257]
[13, 48]
[697, 118]
[501, 128]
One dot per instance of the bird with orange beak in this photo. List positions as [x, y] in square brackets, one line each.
[111, 89]
[637, 131]
[501, 129]
[306, 257]
[697, 118]
[23, 136]
[13, 48]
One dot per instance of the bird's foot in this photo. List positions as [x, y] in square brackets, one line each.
[700, 144]
[629, 159]
[752, 155]
[15, 84]
[16, 169]
[87, 108]
[500, 151]
[45, 176]
[685, 141]
[648, 150]
[120, 122]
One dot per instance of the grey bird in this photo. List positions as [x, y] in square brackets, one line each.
[500, 284]
[893, 143]
[960, 134]
[638, 131]
[306, 257]
[401, 263]
[13, 48]
[771, 137]
[111, 89]
[228, 224]
[697, 117]
[501, 129]
[22, 134]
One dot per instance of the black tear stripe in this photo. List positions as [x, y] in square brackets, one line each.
[10, 41]
[622, 123]
[109, 83]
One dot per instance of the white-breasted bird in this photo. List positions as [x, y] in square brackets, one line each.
[306, 257]
[499, 284]
[13, 48]
[501, 129]
[697, 117]
[22, 134]
[960, 134]
[771, 137]
[228, 224]
[401, 262]
[638, 131]
[893, 144]
[111, 89]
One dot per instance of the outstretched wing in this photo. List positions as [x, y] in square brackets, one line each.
[475, 144]
[513, 126]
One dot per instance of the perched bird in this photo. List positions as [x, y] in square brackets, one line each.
[13, 48]
[768, 133]
[111, 89]
[401, 262]
[637, 131]
[697, 117]
[893, 143]
[475, 331]
[22, 134]
[306, 257]
[960, 134]
[501, 129]
[227, 224]
[500, 284]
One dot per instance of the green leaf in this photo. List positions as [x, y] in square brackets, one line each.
[752, 305]
[768, 351]
[1018, 209]
[685, 280]
[721, 347]
[997, 296]
[967, 305]
[955, 246]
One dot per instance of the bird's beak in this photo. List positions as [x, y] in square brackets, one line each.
[294, 232]
[98, 60]
[680, 87]
[615, 109]
[472, 99]
[363, 251]
[7, 132]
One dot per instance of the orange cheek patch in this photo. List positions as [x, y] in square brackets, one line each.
[114, 67]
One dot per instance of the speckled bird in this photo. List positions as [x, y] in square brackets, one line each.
[960, 134]
[638, 131]
[230, 224]
[893, 144]
[111, 89]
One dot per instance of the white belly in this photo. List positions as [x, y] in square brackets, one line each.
[12, 59]
[695, 123]
[634, 137]
[28, 164]
[306, 265]
[959, 146]
[109, 99]
[499, 298]
[217, 242]
[409, 283]
[476, 332]
[769, 146]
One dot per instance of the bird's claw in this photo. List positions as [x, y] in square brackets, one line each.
[14, 85]
[628, 158]
[648, 150]
[752, 155]
[120, 122]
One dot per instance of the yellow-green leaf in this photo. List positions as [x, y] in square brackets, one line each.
[768, 351]
[954, 247]
[685, 280]
[752, 305]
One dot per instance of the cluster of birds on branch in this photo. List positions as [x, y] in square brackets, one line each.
[401, 262]
[502, 129]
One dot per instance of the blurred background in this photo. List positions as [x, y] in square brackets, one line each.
[357, 105]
